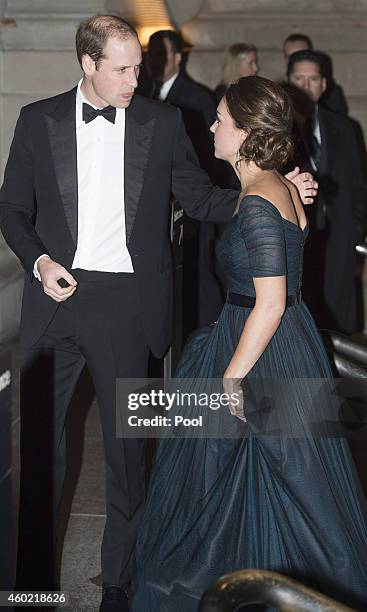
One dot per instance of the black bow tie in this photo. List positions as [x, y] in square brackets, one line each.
[90, 113]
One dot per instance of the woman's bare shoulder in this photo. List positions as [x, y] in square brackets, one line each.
[282, 194]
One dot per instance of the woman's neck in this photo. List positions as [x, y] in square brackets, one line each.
[249, 174]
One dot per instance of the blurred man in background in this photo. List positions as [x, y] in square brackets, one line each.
[327, 146]
[333, 97]
[202, 293]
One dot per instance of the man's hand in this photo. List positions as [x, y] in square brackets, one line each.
[51, 272]
[304, 181]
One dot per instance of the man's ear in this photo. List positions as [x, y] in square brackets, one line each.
[323, 84]
[178, 59]
[88, 64]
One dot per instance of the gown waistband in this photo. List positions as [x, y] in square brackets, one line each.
[248, 301]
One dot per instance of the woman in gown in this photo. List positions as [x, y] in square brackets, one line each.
[287, 504]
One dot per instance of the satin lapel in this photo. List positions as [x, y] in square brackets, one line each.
[61, 130]
[138, 138]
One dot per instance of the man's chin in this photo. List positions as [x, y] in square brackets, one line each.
[124, 102]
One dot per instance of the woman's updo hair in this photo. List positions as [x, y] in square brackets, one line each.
[264, 109]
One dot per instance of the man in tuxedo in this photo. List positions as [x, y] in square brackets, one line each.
[85, 206]
[327, 146]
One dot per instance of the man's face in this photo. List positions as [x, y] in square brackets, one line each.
[306, 76]
[292, 46]
[116, 78]
[248, 65]
[173, 61]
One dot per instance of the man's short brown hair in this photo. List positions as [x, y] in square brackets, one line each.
[93, 33]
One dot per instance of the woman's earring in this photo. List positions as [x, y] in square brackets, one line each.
[238, 161]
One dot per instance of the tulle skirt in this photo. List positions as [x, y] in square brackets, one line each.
[288, 500]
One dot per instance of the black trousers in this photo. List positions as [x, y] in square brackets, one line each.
[99, 326]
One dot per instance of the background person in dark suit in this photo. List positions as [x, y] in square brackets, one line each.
[85, 200]
[202, 292]
[327, 146]
[333, 97]
[171, 83]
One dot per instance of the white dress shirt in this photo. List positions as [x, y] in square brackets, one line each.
[316, 130]
[317, 135]
[101, 242]
[164, 90]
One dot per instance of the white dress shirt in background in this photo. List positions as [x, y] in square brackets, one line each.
[164, 90]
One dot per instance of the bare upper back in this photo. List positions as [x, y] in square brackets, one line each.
[283, 195]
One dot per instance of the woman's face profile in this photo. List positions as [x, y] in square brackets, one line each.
[227, 137]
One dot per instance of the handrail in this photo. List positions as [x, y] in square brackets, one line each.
[349, 357]
[252, 586]
[347, 347]
[347, 369]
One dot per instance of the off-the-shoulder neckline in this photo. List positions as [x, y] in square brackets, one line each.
[254, 195]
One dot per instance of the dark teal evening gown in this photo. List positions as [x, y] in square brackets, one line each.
[291, 505]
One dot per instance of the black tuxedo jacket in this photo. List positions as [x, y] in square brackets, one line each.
[39, 202]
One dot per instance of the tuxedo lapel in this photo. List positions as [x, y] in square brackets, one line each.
[62, 135]
[138, 137]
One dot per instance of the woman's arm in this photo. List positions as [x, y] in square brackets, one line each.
[260, 326]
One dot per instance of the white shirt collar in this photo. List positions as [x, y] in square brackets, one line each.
[316, 129]
[80, 99]
[164, 91]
